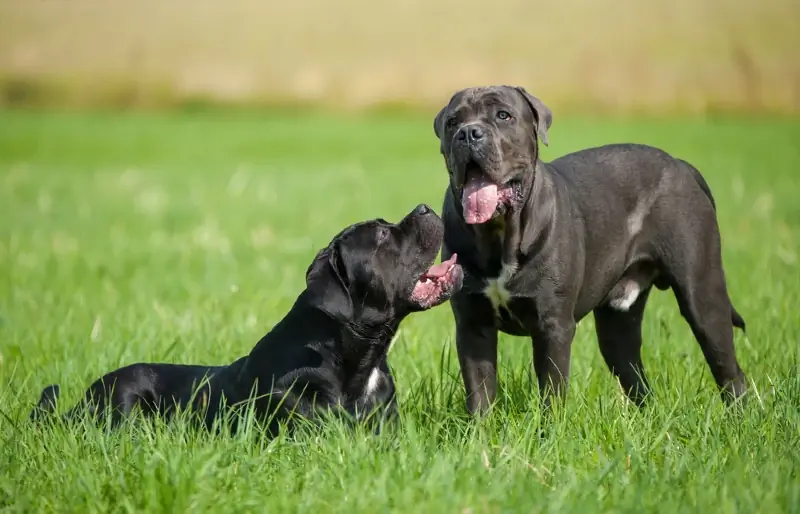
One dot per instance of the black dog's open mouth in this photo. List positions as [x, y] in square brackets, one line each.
[481, 197]
[437, 283]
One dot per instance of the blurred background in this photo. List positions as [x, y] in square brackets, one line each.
[169, 168]
[626, 56]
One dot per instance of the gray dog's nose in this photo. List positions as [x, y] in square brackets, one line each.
[470, 133]
[422, 209]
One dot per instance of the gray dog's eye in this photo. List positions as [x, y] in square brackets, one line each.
[451, 122]
[503, 115]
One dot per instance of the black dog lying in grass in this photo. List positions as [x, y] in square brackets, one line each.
[327, 354]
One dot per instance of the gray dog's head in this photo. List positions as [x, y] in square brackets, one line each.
[489, 141]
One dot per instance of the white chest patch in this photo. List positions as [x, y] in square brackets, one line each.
[496, 291]
[373, 382]
[630, 292]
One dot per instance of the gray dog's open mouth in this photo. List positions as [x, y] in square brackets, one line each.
[481, 196]
[436, 283]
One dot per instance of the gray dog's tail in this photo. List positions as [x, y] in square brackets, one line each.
[736, 318]
[47, 402]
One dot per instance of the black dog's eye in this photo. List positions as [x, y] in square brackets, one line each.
[503, 115]
[383, 233]
[451, 122]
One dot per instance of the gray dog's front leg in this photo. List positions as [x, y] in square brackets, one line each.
[552, 347]
[476, 343]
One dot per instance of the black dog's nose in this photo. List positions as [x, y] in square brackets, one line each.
[470, 133]
[422, 209]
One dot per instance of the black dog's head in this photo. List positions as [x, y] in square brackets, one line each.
[375, 271]
[489, 141]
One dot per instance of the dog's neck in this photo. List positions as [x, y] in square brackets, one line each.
[362, 350]
[503, 240]
[352, 350]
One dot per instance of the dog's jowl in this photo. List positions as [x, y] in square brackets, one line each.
[327, 354]
[544, 244]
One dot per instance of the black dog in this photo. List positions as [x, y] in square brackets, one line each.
[544, 244]
[327, 354]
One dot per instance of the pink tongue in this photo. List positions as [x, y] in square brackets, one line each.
[479, 200]
[439, 270]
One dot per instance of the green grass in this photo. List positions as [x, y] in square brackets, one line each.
[173, 238]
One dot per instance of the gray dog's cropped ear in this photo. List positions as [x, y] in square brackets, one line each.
[543, 115]
[437, 123]
[326, 280]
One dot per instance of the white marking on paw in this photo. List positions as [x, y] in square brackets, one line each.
[373, 382]
[624, 302]
[496, 291]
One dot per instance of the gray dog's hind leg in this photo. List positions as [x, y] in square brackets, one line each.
[694, 265]
[704, 303]
[619, 334]
[703, 299]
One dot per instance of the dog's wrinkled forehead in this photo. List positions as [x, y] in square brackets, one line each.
[360, 239]
[477, 102]
[357, 231]
[355, 236]
[483, 104]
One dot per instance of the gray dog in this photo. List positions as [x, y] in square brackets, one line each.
[543, 244]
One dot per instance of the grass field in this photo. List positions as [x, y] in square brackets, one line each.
[183, 238]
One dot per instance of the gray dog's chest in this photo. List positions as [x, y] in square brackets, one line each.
[511, 293]
[512, 310]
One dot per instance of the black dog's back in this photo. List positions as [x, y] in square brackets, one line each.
[149, 386]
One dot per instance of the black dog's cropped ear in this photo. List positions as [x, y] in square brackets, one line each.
[543, 115]
[326, 280]
[437, 123]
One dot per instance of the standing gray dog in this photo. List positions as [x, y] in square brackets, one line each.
[543, 244]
